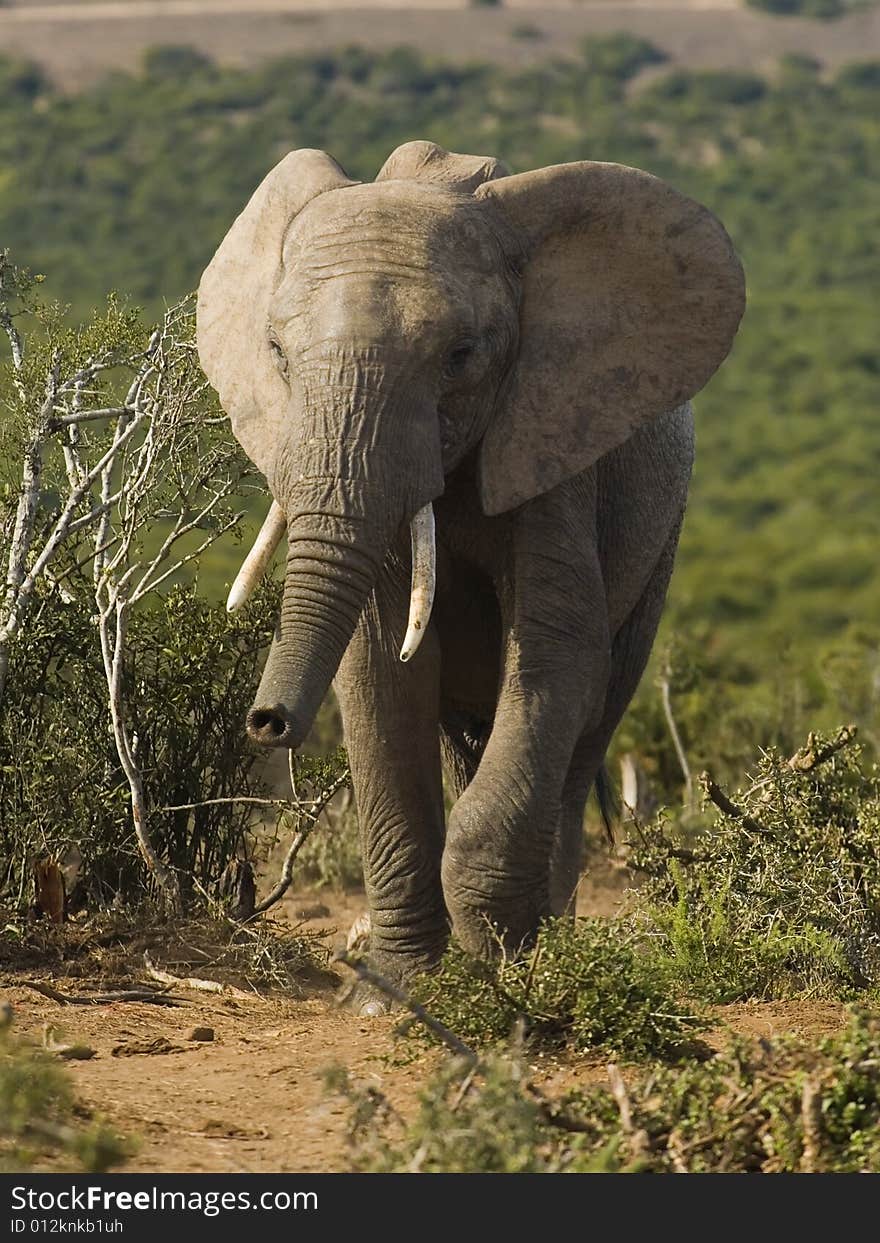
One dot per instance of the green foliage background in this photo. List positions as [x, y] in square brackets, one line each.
[131, 183]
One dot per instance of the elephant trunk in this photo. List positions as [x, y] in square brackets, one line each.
[345, 508]
[330, 573]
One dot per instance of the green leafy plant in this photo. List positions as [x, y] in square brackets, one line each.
[39, 1118]
[191, 672]
[780, 896]
[462, 1126]
[332, 855]
[526, 30]
[823, 9]
[619, 55]
[784, 1106]
[122, 691]
[585, 983]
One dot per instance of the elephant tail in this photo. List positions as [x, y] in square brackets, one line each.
[609, 803]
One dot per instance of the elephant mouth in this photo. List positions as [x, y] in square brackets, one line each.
[270, 726]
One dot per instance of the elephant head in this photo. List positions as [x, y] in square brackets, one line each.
[366, 338]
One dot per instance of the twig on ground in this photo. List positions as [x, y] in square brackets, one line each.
[195, 982]
[677, 1152]
[811, 1118]
[553, 1115]
[637, 1138]
[676, 741]
[463, 1089]
[155, 997]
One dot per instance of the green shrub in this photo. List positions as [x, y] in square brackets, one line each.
[709, 88]
[190, 678]
[781, 895]
[620, 55]
[92, 601]
[784, 1106]
[584, 983]
[38, 1116]
[492, 1127]
[175, 62]
[332, 854]
[526, 30]
[861, 75]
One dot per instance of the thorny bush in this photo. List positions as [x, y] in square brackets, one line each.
[781, 895]
[39, 1117]
[190, 673]
[585, 983]
[757, 1107]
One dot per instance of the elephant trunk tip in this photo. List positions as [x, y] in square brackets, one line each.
[271, 727]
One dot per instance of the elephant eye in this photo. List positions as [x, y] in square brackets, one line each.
[459, 357]
[278, 355]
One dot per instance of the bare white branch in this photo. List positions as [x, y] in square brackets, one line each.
[89, 416]
[126, 465]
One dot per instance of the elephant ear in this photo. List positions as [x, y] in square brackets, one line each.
[232, 312]
[632, 295]
[425, 161]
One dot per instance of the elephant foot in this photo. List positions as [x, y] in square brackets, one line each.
[383, 987]
[366, 1002]
[365, 999]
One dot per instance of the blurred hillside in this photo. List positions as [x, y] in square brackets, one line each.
[130, 184]
[77, 41]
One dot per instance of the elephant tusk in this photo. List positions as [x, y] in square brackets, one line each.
[424, 575]
[271, 534]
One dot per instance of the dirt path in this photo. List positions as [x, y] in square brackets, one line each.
[253, 1099]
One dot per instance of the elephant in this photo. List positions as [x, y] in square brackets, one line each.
[469, 393]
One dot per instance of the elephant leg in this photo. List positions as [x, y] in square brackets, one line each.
[567, 859]
[390, 718]
[556, 665]
[629, 656]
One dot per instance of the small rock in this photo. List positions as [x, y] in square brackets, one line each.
[74, 1052]
[158, 1044]
[200, 1033]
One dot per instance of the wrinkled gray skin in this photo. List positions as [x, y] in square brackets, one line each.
[413, 359]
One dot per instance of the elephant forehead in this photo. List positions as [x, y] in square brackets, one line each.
[367, 302]
[390, 226]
